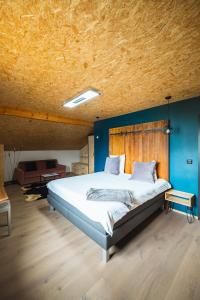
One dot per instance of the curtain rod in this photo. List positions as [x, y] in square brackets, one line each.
[140, 131]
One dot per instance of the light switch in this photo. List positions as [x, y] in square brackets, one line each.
[189, 161]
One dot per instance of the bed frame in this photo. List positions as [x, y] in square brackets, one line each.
[140, 142]
[95, 230]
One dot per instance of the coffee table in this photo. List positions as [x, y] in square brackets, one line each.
[48, 177]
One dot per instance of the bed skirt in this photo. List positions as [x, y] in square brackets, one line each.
[95, 230]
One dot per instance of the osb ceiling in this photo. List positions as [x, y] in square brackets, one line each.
[134, 52]
[24, 134]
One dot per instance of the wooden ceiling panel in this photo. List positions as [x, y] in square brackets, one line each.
[25, 134]
[134, 52]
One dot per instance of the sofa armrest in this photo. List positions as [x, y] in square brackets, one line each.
[19, 175]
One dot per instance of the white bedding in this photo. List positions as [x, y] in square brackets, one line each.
[74, 189]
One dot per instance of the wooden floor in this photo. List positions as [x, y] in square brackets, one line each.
[46, 257]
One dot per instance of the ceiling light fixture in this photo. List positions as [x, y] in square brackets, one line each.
[168, 129]
[83, 97]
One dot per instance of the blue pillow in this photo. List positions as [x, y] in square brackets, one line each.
[144, 171]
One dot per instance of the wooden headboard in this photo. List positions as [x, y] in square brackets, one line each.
[1, 165]
[143, 143]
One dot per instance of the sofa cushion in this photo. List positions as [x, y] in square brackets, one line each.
[32, 174]
[51, 164]
[30, 166]
[41, 165]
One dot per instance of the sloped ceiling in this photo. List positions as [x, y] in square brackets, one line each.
[134, 52]
[24, 134]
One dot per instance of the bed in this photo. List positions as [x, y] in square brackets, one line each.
[105, 222]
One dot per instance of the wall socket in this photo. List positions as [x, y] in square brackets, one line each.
[189, 161]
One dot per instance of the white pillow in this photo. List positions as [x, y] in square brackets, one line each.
[121, 163]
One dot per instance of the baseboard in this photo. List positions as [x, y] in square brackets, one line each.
[182, 213]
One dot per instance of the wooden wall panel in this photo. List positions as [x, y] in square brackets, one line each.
[91, 153]
[142, 142]
[117, 144]
[1, 165]
[84, 154]
[133, 148]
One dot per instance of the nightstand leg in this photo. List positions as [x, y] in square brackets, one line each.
[190, 215]
[167, 207]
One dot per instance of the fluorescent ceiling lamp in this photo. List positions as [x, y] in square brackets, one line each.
[83, 97]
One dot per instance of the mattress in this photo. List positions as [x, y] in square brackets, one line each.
[73, 190]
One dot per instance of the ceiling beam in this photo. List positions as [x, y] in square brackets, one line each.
[10, 111]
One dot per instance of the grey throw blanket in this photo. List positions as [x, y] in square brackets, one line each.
[124, 196]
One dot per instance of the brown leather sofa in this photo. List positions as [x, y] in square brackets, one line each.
[31, 171]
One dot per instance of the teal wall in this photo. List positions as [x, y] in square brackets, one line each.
[184, 118]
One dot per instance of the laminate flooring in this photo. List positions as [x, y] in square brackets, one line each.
[46, 257]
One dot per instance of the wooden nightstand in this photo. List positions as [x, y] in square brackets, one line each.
[186, 199]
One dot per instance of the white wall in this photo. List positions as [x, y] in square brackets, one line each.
[11, 159]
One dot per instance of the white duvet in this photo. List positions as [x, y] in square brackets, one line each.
[74, 189]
